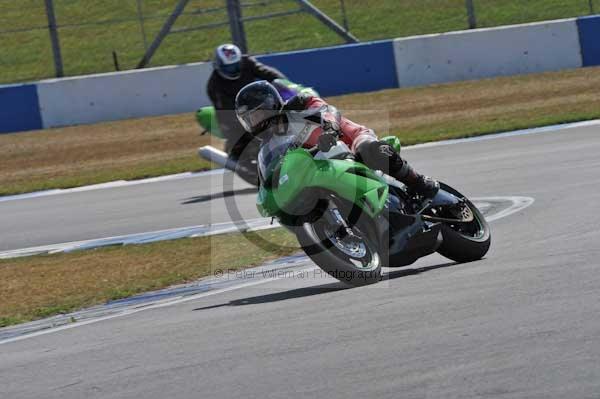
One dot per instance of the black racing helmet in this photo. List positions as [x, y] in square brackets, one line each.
[257, 105]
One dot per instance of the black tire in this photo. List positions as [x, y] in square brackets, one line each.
[461, 247]
[333, 261]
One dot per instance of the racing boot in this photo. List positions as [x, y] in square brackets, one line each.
[420, 184]
[417, 183]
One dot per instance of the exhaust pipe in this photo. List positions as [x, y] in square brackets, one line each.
[214, 155]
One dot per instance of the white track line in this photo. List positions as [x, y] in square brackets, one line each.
[112, 184]
[518, 204]
[187, 175]
[136, 310]
[144, 238]
[523, 132]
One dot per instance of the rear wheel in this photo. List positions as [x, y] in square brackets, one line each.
[465, 242]
[343, 242]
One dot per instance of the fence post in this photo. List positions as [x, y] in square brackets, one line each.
[591, 7]
[471, 14]
[238, 34]
[58, 65]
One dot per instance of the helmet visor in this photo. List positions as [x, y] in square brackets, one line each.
[231, 70]
[255, 120]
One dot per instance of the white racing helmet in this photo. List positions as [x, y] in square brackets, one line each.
[227, 62]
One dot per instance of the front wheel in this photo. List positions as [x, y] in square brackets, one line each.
[346, 250]
[465, 242]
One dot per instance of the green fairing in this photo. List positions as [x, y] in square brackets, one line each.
[350, 180]
[207, 118]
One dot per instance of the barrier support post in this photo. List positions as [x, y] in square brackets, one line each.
[327, 21]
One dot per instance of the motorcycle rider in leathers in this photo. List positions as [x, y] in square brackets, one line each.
[231, 72]
[261, 111]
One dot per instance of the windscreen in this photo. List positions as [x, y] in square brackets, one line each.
[300, 124]
[272, 151]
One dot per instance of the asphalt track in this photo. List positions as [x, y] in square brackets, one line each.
[523, 323]
[120, 210]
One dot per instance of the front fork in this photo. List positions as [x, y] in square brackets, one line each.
[335, 218]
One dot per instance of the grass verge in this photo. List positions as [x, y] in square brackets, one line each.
[89, 154]
[41, 286]
[132, 149]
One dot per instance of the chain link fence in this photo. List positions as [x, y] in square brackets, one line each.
[92, 36]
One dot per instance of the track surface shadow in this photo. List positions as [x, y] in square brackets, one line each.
[281, 296]
[320, 289]
[214, 196]
[412, 271]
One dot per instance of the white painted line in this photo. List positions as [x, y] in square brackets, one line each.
[157, 305]
[187, 175]
[524, 132]
[112, 184]
[142, 238]
[518, 203]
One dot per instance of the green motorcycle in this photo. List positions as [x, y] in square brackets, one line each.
[352, 221]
